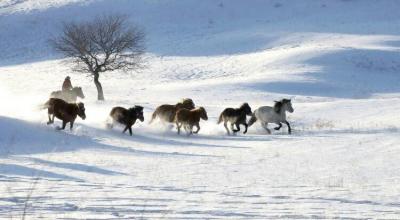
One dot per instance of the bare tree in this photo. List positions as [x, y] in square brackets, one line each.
[107, 43]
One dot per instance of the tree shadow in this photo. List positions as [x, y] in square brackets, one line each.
[350, 73]
[19, 170]
[75, 167]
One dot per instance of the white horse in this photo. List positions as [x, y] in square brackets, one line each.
[69, 96]
[276, 115]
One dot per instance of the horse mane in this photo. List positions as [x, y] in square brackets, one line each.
[244, 105]
[278, 106]
[199, 109]
[138, 107]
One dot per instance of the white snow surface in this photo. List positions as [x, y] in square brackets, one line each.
[339, 61]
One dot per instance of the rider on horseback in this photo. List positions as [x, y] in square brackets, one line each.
[66, 86]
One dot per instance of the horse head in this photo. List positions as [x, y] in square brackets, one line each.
[288, 105]
[78, 91]
[81, 110]
[139, 112]
[246, 108]
[203, 113]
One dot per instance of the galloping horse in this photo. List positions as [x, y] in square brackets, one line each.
[67, 112]
[126, 117]
[167, 112]
[190, 118]
[276, 114]
[235, 116]
[69, 96]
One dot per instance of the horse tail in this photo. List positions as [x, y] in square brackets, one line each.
[44, 106]
[153, 116]
[220, 118]
[252, 119]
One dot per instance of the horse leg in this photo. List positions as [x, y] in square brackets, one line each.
[50, 121]
[238, 127]
[226, 127]
[64, 123]
[289, 128]
[126, 128]
[190, 129]
[71, 125]
[130, 130]
[198, 128]
[245, 128]
[279, 126]
[265, 126]
[187, 129]
[178, 126]
[232, 128]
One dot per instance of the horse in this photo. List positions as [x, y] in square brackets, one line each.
[67, 112]
[276, 114]
[167, 112]
[69, 96]
[126, 117]
[235, 116]
[190, 118]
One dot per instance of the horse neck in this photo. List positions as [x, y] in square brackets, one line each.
[197, 113]
[282, 113]
[76, 107]
[241, 111]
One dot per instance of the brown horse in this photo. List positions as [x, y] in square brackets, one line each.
[126, 117]
[166, 112]
[67, 112]
[69, 96]
[235, 116]
[189, 119]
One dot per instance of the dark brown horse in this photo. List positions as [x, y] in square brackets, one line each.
[235, 116]
[126, 117]
[190, 118]
[67, 112]
[167, 112]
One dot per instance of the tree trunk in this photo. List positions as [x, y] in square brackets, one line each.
[100, 94]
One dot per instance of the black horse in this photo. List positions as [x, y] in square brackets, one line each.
[236, 116]
[126, 117]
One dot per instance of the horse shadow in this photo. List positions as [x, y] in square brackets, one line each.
[20, 137]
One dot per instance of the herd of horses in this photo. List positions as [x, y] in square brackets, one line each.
[63, 105]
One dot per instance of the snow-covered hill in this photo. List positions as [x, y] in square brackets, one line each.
[338, 60]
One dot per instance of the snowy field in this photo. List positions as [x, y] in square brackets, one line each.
[339, 61]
